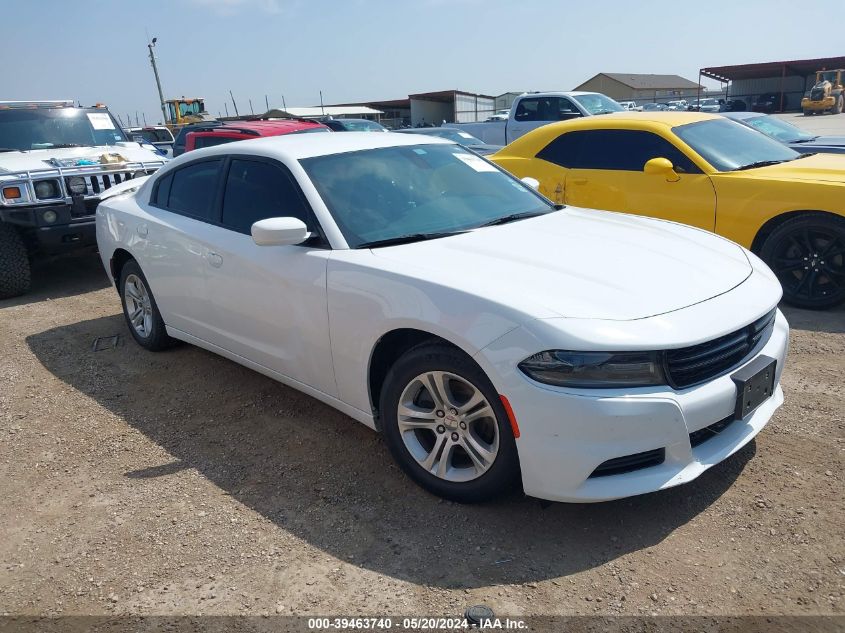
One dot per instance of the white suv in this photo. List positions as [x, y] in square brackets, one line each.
[56, 162]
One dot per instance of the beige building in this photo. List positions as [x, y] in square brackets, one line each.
[641, 88]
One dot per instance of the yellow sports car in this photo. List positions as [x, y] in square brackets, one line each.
[707, 171]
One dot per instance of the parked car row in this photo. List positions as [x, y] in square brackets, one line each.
[496, 319]
[680, 105]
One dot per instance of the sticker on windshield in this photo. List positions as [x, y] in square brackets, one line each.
[419, 151]
[476, 162]
[100, 121]
[464, 134]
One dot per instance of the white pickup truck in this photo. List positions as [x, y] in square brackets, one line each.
[533, 109]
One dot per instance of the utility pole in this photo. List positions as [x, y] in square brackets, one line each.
[284, 105]
[267, 103]
[250, 107]
[322, 109]
[226, 106]
[144, 114]
[158, 81]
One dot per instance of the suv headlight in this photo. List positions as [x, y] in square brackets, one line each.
[77, 185]
[47, 189]
[595, 369]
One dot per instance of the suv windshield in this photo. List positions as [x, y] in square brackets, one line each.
[417, 190]
[595, 103]
[728, 145]
[45, 128]
[777, 129]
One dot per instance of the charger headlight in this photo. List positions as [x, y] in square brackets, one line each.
[595, 369]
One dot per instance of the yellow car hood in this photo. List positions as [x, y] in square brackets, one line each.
[818, 168]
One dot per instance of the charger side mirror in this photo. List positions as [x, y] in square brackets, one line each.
[279, 232]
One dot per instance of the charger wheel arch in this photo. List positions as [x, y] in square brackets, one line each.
[445, 425]
[140, 309]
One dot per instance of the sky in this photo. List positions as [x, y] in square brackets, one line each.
[357, 50]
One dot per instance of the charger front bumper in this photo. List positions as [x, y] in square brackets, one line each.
[566, 434]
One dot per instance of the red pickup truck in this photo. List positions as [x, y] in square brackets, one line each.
[245, 130]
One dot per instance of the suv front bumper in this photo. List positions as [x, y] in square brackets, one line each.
[68, 237]
[70, 231]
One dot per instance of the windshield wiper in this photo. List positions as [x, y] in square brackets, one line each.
[10, 149]
[513, 217]
[761, 163]
[407, 239]
[65, 146]
[803, 140]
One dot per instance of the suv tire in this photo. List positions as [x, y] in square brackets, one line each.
[15, 275]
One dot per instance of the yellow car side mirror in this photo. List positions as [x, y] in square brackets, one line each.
[661, 167]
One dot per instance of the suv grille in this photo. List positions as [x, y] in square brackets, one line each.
[98, 183]
[689, 366]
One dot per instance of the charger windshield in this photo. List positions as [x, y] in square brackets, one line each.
[386, 193]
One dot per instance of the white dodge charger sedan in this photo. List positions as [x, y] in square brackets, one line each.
[492, 337]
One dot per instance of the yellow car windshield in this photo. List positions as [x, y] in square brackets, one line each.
[730, 146]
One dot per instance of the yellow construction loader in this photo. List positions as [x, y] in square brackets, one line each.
[827, 95]
[183, 111]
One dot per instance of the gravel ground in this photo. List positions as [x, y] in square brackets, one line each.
[182, 483]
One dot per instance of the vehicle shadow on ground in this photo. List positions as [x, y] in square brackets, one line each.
[831, 321]
[330, 481]
[63, 277]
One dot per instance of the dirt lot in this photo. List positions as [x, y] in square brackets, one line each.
[181, 483]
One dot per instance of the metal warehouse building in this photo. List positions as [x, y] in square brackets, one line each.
[789, 79]
[424, 108]
[640, 88]
[453, 106]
